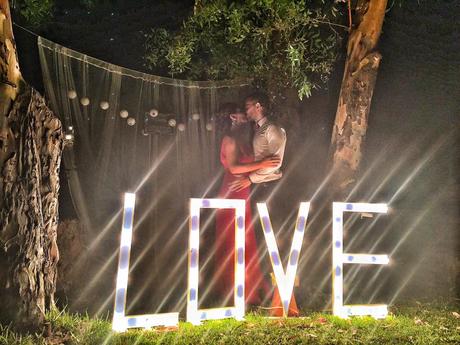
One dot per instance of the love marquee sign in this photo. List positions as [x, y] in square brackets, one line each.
[284, 278]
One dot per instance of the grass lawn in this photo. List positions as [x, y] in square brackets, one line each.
[416, 324]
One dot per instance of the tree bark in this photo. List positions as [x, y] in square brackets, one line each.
[358, 83]
[30, 155]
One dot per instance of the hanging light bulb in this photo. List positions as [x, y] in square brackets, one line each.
[209, 126]
[195, 116]
[131, 121]
[84, 101]
[104, 105]
[69, 137]
[172, 123]
[72, 94]
[124, 114]
[153, 112]
[181, 127]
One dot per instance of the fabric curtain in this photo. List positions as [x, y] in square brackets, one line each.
[123, 141]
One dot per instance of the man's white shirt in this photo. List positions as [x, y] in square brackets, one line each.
[269, 140]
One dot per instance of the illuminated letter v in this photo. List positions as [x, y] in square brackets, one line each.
[284, 281]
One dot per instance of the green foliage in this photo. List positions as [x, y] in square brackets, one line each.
[35, 12]
[157, 42]
[280, 44]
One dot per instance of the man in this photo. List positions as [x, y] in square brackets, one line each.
[269, 140]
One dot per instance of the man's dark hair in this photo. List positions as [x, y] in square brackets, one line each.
[261, 98]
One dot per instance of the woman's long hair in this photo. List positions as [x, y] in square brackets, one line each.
[242, 134]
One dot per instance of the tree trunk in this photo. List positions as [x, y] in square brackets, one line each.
[358, 82]
[30, 156]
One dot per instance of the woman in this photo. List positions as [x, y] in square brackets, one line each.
[237, 159]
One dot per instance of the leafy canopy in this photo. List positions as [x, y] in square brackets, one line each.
[34, 12]
[39, 13]
[279, 44]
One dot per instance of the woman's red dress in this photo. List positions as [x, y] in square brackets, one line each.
[225, 241]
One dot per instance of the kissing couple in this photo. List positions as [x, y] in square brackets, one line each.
[251, 153]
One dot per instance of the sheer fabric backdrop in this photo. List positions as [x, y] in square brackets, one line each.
[119, 146]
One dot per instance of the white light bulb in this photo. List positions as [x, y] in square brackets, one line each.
[172, 122]
[72, 94]
[181, 127]
[153, 112]
[131, 121]
[209, 126]
[84, 101]
[124, 114]
[104, 105]
[195, 116]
